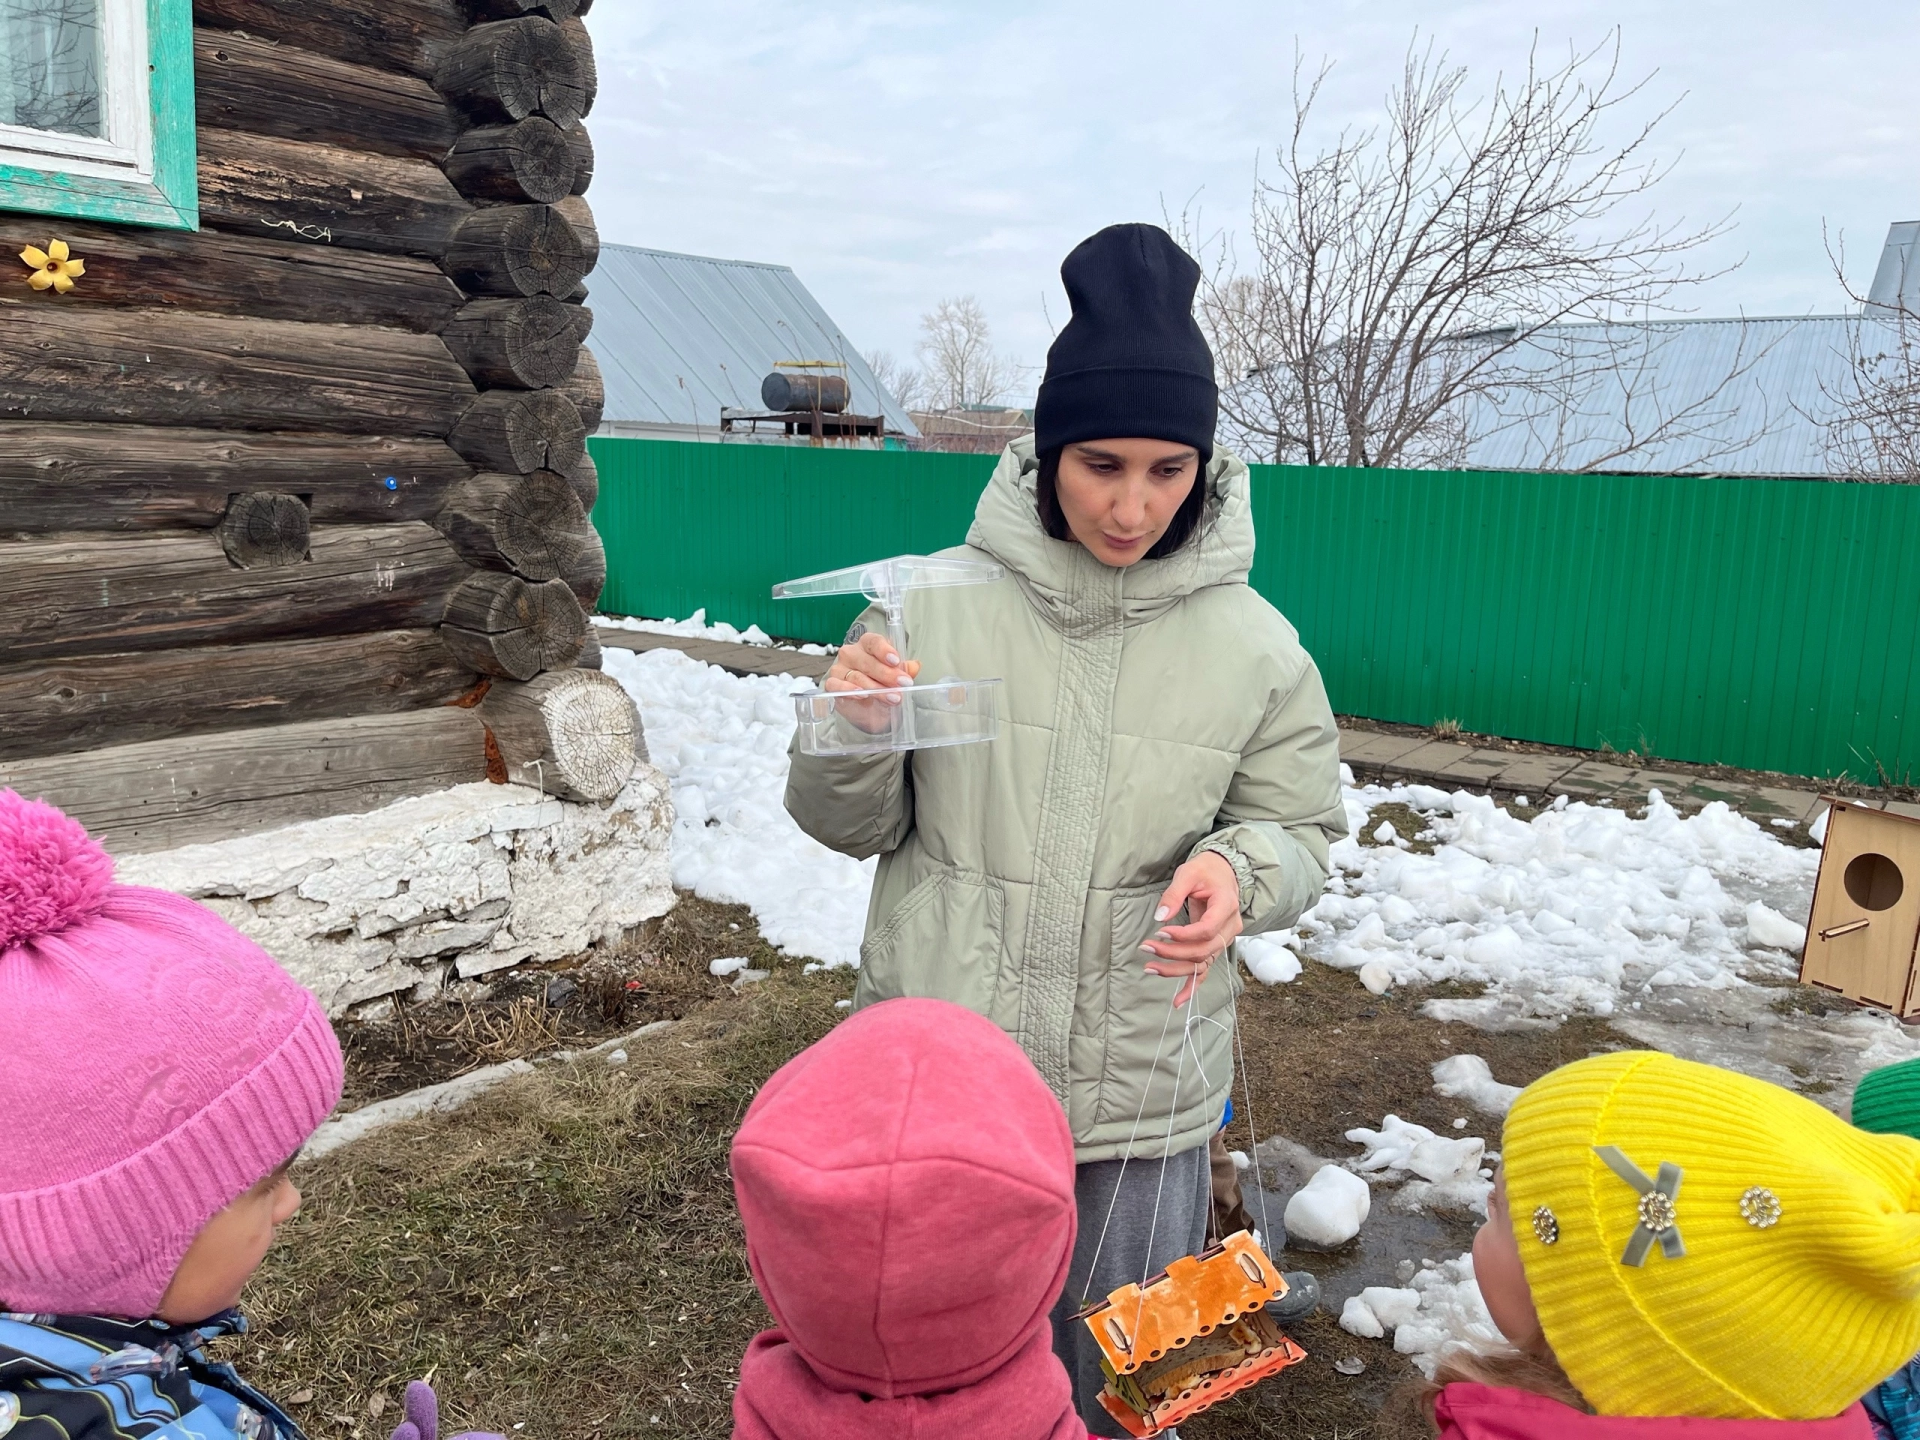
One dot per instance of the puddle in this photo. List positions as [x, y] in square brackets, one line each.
[1387, 1241]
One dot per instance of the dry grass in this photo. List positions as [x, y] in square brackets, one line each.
[561, 1255]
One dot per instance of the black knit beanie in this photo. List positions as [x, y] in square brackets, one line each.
[1131, 361]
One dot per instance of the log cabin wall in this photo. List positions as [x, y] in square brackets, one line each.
[281, 499]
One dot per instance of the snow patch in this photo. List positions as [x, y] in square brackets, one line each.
[1268, 959]
[1768, 929]
[1378, 1309]
[722, 742]
[1469, 1078]
[1330, 1208]
[1574, 909]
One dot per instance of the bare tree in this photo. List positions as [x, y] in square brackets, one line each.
[956, 351]
[1404, 273]
[1872, 418]
[906, 383]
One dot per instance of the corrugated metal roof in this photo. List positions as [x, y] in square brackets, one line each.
[1734, 397]
[680, 336]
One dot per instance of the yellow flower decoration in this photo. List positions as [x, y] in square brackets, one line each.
[52, 267]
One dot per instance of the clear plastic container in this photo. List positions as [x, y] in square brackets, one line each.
[873, 722]
[912, 717]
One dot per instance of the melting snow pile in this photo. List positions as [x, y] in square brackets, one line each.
[1469, 1078]
[722, 741]
[1433, 1171]
[1440, 1306]
[1330, 1208]
[1572, 909]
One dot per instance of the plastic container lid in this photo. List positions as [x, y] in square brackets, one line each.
[884, 579]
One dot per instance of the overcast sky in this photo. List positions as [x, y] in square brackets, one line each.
[895, 153]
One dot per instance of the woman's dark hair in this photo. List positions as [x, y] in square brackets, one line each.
[1180, 529]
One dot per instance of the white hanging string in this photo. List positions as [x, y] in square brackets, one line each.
[1145, 1091]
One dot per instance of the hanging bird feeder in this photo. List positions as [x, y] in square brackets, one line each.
[1191, 1336]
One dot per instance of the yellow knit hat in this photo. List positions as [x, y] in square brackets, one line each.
[1778, 1248]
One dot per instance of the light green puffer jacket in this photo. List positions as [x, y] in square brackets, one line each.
[1148, 713]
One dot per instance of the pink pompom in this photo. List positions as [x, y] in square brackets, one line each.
[52, 873]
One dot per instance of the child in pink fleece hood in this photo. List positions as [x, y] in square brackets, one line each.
[907, 1190]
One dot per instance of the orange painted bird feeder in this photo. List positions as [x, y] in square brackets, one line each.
[1191, 1336]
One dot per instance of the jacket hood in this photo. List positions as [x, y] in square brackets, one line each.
[780, 1397]
[1073, 589]
[906, 1185]
[1492, 1412]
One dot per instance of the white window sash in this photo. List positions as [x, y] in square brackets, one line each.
[125, 152]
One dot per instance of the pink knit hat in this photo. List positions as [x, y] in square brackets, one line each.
[154, 1065]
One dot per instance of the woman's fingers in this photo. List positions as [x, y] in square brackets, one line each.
[1195, 972]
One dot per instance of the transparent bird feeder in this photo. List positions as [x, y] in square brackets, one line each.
[921, 716]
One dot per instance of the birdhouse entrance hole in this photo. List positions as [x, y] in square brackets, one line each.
[1874, 882]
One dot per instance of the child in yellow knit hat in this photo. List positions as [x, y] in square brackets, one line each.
[1676, 1250]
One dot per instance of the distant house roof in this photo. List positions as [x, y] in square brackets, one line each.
[1727, 397]
[680, 336]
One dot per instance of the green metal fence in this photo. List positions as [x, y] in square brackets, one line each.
[1767, 624]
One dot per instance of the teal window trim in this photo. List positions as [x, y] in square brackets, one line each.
[171, 200]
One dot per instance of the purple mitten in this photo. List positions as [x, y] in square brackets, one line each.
[422, 1409]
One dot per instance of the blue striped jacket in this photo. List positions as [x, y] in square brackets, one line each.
[68, 1377]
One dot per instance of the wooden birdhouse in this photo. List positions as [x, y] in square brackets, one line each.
[1865, 925]
[1191, 1336]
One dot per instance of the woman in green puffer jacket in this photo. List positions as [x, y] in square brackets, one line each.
[1165, 746]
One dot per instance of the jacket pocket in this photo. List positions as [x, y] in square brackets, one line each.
[941, 942]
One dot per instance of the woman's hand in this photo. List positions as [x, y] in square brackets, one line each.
[1205, 884]
[869, 663]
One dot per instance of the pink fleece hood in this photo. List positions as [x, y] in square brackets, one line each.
[907, 1190]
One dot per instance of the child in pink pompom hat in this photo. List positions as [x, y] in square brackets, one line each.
[158, 1072]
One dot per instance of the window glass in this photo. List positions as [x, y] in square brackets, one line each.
[50, 65]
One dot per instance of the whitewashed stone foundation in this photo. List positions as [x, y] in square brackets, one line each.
[454, 884]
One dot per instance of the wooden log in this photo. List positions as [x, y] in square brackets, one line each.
[586, 389]
[581, 144]
[576, 32]
[521, 431]
[529, 161]
[587, 576]
[224, 274]
[572, 733]
[506, 70]
[92, 596]
[323, 194]
[508, 9]
[516, 250]
[70, 362]
[525, 344]
[579, 215]
[51, 707]
[585, 480]
[263, 530]
[406, 35]
[530, 524]
[500, 625]
[57, 478]
[591, 656]
[241, 82]
[161, 793]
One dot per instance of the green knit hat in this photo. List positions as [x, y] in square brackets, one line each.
[1887, 1100]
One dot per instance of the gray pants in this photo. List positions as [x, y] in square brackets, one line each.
[1137, 1246]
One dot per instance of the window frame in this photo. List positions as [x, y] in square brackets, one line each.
[145, 171]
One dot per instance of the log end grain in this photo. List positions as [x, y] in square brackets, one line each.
[264, 529]
[573, 733]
